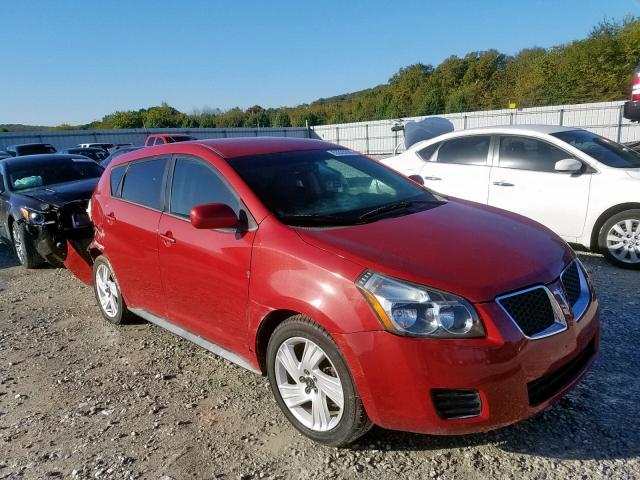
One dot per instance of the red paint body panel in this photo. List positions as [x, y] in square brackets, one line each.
[206, 280]
[475, 251]
[221, 285]
[78, 265]
[394, 374]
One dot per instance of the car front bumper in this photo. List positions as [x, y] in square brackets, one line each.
[395, 375]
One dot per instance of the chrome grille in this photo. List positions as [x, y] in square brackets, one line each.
[575, 284]
[532, 311]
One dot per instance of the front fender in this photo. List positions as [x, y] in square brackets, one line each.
[290, 274]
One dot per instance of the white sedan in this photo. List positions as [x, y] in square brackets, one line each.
[582, 186]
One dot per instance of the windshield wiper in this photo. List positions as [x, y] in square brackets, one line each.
[392, 207]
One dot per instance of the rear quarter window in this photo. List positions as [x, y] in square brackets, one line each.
[116, 179]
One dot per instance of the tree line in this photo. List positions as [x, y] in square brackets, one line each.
[597, 68]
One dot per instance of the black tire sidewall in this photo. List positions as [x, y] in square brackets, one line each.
[121, 316]
[32, 258]
[349, 424]
[602, 237]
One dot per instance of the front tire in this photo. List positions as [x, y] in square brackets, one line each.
[313, 385]
[108, 294]
[619, 239]
[24, 246]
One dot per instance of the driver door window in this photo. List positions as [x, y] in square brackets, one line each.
[525, 153]
[195, 183]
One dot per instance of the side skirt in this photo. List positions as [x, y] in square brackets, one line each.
[198, 340]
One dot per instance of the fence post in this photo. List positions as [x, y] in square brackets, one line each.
[338, 135]
[464, 122]
[306, 123]
[561, 116]
[620, 116]
[366, 136]
[511, 118]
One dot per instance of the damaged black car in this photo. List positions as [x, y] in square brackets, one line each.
[43, 205]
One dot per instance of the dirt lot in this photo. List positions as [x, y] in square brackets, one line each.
[80, 398]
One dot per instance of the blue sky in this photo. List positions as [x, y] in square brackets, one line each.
[74, 61]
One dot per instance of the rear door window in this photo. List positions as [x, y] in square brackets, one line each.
[524, 153]
[465, 150]
[196, 183]
[143, 183]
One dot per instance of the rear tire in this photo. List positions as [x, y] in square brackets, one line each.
[619, 239]
[322, 400]
[24, 246]
[108, 294]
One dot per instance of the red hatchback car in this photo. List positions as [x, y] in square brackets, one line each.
[363, 296]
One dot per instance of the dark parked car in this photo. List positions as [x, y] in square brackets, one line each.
[43, 203]
[30, 149]
[94, 153]
[4, 154]
[117, 153]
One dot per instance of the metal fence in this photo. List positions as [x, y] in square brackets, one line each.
[136, 136]
[376, 137]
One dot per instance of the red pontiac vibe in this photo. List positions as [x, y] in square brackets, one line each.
[365, 298]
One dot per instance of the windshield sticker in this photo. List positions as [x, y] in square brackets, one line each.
[341, 153]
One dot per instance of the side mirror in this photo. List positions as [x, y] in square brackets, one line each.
[417, 179]
[212, 216]
[570, 165]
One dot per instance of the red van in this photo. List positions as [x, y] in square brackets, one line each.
[363, 296]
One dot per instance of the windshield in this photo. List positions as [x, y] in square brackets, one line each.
[25, 176]
[179, 138]
[34, 149]
[602, 149]
[335, 187]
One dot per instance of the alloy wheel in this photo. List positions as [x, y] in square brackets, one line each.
[623, 241]
[17, 243]
[309, 384]
[107, 291]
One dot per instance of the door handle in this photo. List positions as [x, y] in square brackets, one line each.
[503, 184]
[168, 238]
[432, 178]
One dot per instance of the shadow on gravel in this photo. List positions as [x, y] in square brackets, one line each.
[8, 257]
[599, 419]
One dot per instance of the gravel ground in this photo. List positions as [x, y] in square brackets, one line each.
[80, 398]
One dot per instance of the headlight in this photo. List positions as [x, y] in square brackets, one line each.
[33, 216]
[408, 309]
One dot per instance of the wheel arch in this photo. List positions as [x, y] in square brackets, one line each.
[604, 216]
[265, 329]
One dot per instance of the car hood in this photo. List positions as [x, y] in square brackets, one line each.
[63, 193]
[461, 247]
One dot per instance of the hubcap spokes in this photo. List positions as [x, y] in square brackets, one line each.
[17, 243]
[309, 384]
[623, 241]
[107, 291]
